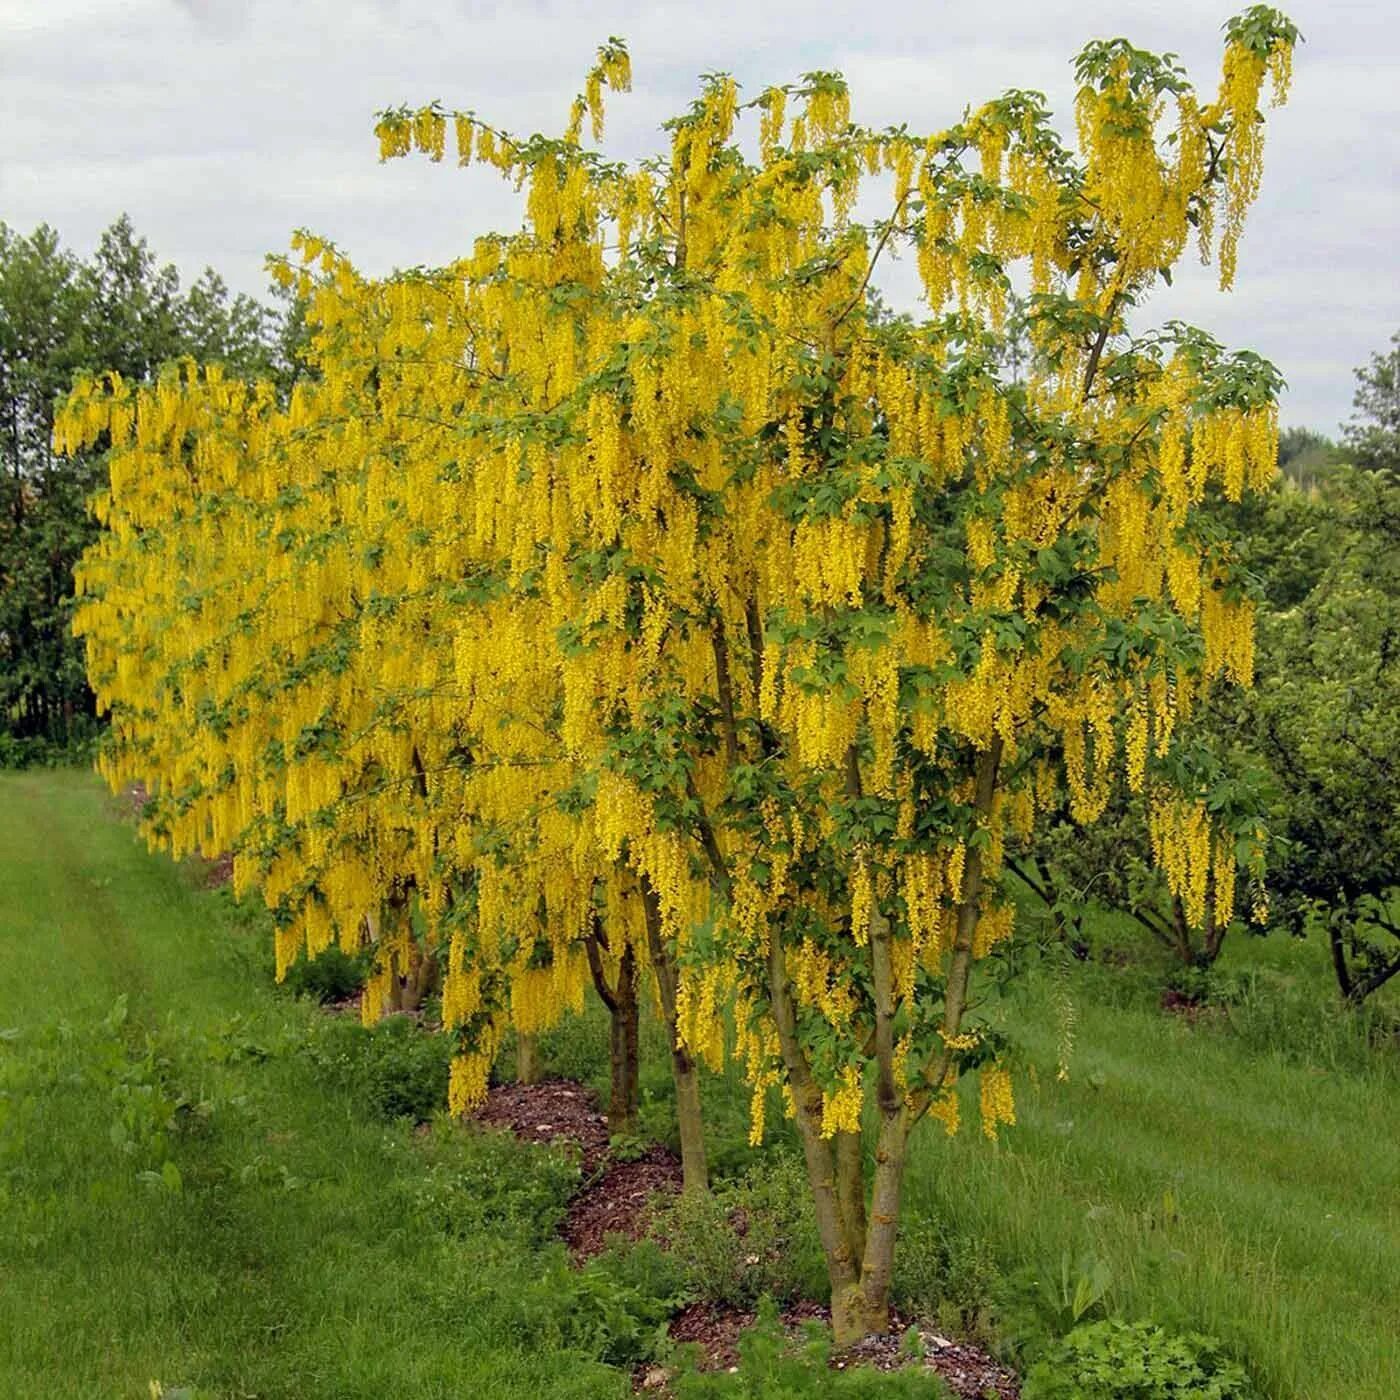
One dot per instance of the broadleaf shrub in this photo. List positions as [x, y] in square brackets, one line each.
[332, 975]
[1116, 1360]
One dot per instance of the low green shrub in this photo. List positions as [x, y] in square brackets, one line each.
[331, 976]
[139, 1078]
[1205, 986]
[577, 1048]
[1115, 1360]
[75, 752]
[746, 1238]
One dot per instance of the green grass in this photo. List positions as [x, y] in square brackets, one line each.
[310, 1250]
[1239, 1177]
[1248, 1195]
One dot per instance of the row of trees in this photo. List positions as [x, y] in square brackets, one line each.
[59, 316]
[636, 597]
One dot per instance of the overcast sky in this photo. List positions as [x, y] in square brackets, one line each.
[222, 125]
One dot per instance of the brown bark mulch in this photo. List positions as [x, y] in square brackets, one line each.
[216, 873]
[968, 1371]
[551, 1111]
[618, 1202]
[716, 1327]
[615, 1196]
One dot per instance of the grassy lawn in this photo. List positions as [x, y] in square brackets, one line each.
[188, 1196]
[307, 1249]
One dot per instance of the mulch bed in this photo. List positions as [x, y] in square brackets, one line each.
[216, 873]
[550, 1111]
[968, 1371]
[616, 1195]
[616, 1201]
[715, 1329]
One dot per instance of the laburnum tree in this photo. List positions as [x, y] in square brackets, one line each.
[804, 606]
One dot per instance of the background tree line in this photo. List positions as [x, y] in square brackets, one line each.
[60, 315]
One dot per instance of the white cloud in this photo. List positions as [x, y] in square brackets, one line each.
[220, 125]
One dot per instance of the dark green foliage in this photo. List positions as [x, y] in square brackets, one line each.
[59, 316]
[1205, 986]
[1325, 716]
[774, 1368]
[747, 1238]
[333, 976]
[1114, 1360]
[394, 1068]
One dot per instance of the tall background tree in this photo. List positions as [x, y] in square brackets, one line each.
[1373, 435]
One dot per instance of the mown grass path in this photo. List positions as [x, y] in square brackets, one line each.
[296, 1247]
[1225, 1191]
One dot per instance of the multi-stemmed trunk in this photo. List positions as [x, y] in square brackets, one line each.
[858, 1242]
[858, 1228]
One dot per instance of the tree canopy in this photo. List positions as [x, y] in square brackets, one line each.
[641, 570]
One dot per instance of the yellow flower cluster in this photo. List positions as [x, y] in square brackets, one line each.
[841, 1107]
[995, 1100]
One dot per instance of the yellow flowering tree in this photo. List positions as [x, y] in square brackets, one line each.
[802, 605]
[835, 597]
[304, 663]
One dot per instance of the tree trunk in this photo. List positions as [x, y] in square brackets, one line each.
[877, 1261]
[850, 1189]
[624, 1099]
[1339, 963]
[527, 1059]
[624, 1030]
[830, 1192]
[695, 1174]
